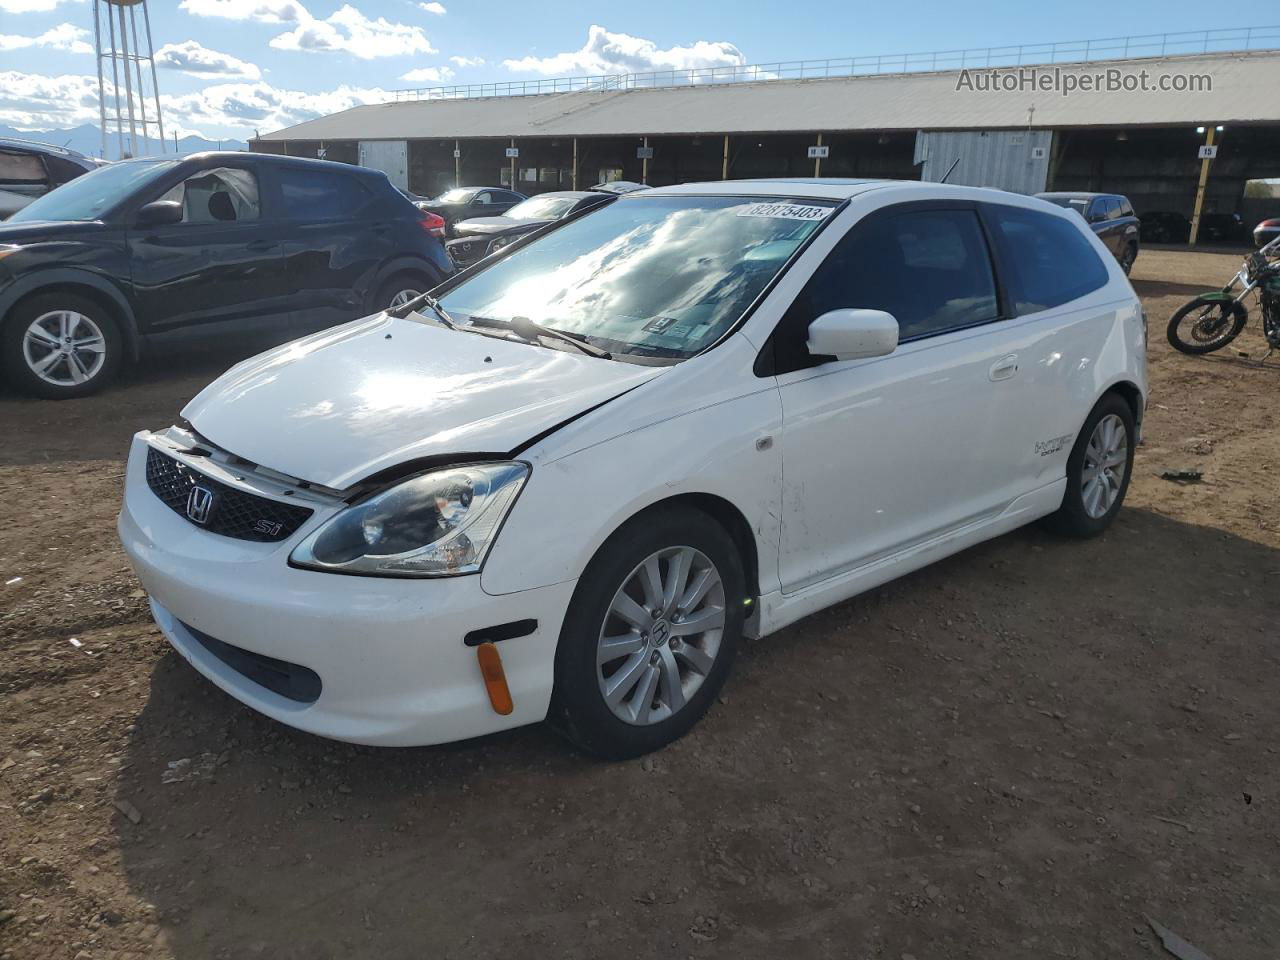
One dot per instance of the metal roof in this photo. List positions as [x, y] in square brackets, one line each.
[1243, 91]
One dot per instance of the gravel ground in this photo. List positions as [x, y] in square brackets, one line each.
[1023, 751]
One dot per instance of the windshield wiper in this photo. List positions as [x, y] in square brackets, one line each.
[432, 303]
[527, 330]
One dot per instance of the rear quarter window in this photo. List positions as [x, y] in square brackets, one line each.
[321, 195]
[1049, 259]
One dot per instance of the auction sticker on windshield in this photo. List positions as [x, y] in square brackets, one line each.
[785, 211]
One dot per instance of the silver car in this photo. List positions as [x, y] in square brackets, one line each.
[29, 170]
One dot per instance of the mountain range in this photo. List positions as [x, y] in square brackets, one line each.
[87, 138]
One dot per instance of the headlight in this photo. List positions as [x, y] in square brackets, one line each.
[439, 524]
[499, 243]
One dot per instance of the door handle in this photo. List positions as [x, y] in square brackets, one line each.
[1004, 368]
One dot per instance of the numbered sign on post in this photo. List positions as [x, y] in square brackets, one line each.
[819, 153]
[644, 153]
[513, 152]
[1208, 153]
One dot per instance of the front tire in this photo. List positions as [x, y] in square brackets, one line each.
[1203, 326]
[1098, 470]
[650, 635]
[400, 289]
[61, 345]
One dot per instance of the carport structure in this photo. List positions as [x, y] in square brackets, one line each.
[1089, 115]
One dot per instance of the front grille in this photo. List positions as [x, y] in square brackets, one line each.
[290, 680]
[226, 511]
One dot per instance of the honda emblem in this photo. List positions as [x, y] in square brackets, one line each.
[199, 503]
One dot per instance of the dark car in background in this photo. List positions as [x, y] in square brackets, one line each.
[1164, 226]
[232, 244]
[1223, 228]
[465, 203]
[29, 170]
[478, 237]
[1111, 217]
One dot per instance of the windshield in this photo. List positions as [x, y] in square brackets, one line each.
[661, 277]
[90, 196]
[541, 208]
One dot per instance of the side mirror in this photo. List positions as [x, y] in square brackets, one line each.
[159, 213]
[853, 334]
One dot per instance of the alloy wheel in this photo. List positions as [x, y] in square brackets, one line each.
[661, 635]
[403, 297]
[1105, 460]
[64, 348]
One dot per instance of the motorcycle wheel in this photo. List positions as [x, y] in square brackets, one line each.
[1203, 326]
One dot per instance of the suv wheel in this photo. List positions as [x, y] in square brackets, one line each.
[400, 289]
[61, 345]
[650, 635]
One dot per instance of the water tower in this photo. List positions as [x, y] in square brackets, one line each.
[118, 48]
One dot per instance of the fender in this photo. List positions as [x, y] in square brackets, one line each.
[401, 264]
[41, 279]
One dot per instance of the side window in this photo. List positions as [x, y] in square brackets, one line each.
[1050, 259]
[320, 195]
[61, 171]
[1113, 208]
[1126, 208]
[484, 196]
[929, 268]
[219, 195]
[21, 169]
[508, 198]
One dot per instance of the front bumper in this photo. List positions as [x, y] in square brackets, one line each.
[393, 668]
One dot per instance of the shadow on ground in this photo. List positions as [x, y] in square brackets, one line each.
[1017, 752]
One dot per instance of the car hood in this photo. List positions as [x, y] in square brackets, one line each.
[485, 226]
[342, 405]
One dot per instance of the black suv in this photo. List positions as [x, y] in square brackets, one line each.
[1111, 217]
[147, 250]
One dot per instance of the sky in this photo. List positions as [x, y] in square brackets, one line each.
[228, 68]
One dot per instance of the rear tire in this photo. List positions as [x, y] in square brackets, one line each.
[1209, 325]
[624, 688]
[1128, 257]
[1098, 470]
[400, 289]
[61, 345]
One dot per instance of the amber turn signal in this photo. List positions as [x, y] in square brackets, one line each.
[495, 678]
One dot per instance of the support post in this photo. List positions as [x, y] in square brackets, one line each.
[574, 175]
[155, 85]
[724, 164]
[102, 97]
[128, 84]
[513, 166]
[1204, 180]
[457, 163]
[644, 164]
[817, 161]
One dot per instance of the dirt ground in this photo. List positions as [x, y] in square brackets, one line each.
[1020, 752]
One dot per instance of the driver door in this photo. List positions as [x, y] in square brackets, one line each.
[883, 454]
[221, 262]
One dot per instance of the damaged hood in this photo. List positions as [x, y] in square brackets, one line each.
[339, 406]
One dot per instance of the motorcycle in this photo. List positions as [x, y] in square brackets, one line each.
[1213, 319]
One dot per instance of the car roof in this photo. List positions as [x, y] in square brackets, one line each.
[41, 147]
[1078, 195]
[564, 194]
[825, 188]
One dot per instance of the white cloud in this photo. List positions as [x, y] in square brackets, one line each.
[65, 37]
[428, 75]
[606, 52]
[261, 11]
[433, 7]
[218, 111]
[199, 61]
[467, 61]
[32, 6]
[348, 30]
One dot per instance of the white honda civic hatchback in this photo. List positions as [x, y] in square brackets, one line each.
[567, 486]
